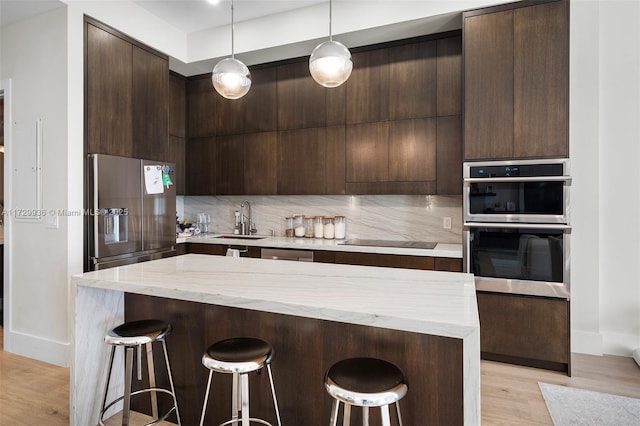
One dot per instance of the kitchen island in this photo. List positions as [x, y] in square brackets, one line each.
[314, 314]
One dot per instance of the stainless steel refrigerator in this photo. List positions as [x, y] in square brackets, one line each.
[131, 215]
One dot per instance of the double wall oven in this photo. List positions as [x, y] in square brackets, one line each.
[517, 226]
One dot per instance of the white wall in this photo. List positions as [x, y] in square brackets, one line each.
[619, 152]
[34, 59]
[605, 148]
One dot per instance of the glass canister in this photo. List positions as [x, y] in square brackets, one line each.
[329, 228]
[340, 227]
[308, 226]
[298, 225]
[318, 227]
[289, 230]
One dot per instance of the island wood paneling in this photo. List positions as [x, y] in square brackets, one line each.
[304, 349]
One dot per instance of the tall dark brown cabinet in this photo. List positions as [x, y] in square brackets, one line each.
[126, 96]
[516, 81]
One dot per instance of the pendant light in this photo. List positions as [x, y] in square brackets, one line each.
[330, 62]
[231, 78]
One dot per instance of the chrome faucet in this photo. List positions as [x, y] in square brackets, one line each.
[244, 229]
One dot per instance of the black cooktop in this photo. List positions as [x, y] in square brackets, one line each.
[386, 243]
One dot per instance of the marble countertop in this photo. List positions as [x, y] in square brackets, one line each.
[441, 250]
[431, 302]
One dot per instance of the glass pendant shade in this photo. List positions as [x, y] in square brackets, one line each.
[330, 64]
[231, 78]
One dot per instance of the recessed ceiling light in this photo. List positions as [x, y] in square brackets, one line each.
[213, 1]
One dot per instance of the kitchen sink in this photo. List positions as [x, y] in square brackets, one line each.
[237, 237]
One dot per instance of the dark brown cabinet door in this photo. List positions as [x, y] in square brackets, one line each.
[230, 165]
[449, 155]
[368, 87]
[412, 80]
[368, 152]
[301, 101]
[261, 163]
[201, 107]
[541, 80]
[412, 150]
[201, 166]
[108, 95]
[488, 86]
[176, 154]
[229, 115]
[449, 76]
[525, 330]
[301, 162]
[150, 99]
[516, 82]
[177, 105]
[335, 164]
[260, 104]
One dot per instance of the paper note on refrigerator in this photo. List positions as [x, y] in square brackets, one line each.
[153, 179]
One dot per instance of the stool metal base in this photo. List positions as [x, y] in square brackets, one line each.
[240, 368]
[152, 389]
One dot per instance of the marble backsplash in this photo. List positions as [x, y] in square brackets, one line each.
[389, 217]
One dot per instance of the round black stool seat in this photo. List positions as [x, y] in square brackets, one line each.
[365, 382]
[238, 355]
[366, 375]
[135, 333]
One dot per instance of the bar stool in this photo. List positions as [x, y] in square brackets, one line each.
[133, 335]
[239, 356]
[365, 382]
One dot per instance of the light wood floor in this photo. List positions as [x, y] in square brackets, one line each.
[36, 393]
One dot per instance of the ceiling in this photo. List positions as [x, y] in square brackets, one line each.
[186, 15]
[16, 10]
[195, 15]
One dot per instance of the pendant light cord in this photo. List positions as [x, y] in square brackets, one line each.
[330, 13]
[232, 28]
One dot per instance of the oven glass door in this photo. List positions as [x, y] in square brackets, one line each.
[522, 198]
[517, 254]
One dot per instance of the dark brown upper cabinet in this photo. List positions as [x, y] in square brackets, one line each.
[301, 101]
[150, 105]
[230, 165]
[201, 166]
[449, 154]
[127, 96]
[177, 105]
[109, 106]
[412, 80]
[368, 87]
[516, 81]
[412, 150]
[449, 76]
[261, 163]
[260, 104]
[177, 150]
[376, 134]
[201, 107]
[302, 161]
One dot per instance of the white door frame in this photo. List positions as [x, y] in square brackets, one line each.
[5, 90]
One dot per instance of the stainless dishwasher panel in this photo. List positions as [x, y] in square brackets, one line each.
[286, 254]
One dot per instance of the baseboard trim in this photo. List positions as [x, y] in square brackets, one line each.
[49, 351]
[586, 342]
